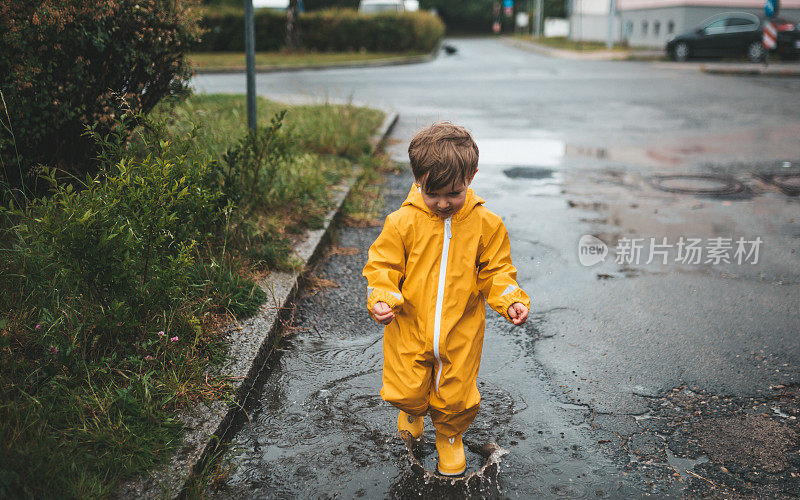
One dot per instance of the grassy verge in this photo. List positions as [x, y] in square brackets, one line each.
[235, 60]
[113, 288]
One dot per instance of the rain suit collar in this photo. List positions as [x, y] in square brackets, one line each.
[414, 199]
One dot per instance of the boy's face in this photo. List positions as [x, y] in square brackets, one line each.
[447, 201]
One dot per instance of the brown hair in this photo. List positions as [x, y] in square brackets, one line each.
[442, 154]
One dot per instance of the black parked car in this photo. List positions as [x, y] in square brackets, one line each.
[734, 34]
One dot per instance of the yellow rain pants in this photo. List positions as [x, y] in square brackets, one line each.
[435, 274]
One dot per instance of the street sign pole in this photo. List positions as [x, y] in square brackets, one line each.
[612, 13]
[530, 16]
[771, 8]
[250, 56]
[769, 38]
[539, 17]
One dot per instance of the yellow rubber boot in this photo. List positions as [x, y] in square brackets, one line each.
[452, 461]
[411, 424]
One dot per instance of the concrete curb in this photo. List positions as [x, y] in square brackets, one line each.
[251, 342]
[377, 63]
[779, 69]
[599, 55]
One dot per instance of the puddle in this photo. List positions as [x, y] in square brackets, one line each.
[542, 151]
[684, 465]
[495, 180]
[489, 454]
[779, 412]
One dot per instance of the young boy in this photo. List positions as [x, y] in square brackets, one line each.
[436, 260]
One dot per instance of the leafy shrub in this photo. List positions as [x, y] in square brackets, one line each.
[105, 263]
[340, 30]
[109, 288]
[265, 172]
[113, 287]
[64, 65]
[326, 30]
[252, 165]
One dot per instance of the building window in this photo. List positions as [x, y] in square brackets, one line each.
[656, 27]
[670, 27]
[628, 29]
[644, 28]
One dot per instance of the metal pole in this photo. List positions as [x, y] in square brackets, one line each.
[530, 17]
[250, 56]
[539, 8]
[612, 13]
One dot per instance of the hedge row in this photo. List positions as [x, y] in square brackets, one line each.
[325, 31]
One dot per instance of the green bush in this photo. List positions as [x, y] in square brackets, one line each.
[104, 264]
[342, 30]
[64, 65]
[113, 287]
[224, 30]
[326, 30]
[108, 291]
[266, 172]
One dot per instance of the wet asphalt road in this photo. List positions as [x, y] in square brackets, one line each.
[667, 379]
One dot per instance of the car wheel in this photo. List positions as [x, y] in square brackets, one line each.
[756, 52]
[680, 52]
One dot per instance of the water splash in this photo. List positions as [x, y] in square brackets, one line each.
[489, 450]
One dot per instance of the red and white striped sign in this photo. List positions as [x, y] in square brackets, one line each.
[770, 35]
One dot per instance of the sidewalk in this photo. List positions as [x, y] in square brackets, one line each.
[595, 55]
[788, 69]
[744, 68]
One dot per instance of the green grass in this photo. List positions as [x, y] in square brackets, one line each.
[236, 60]
[324, 129]
[333, 137]
[90, 391]
[364, 204]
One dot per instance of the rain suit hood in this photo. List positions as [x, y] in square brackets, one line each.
[414, 199]
[435, 274]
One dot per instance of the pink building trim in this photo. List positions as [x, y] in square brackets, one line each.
[728, 4]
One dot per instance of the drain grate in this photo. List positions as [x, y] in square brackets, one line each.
[697, 184]
[789, 183]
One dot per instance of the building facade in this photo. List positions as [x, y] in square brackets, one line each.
[649, 23]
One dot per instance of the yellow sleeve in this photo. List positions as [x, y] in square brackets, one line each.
[497, 276]
[385, 269]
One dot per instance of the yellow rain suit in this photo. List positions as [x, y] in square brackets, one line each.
[435, 274]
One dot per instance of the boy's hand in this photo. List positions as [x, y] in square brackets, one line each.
[518, 313]
[383, 313]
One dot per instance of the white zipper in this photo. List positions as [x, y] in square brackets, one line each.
[437, 322]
